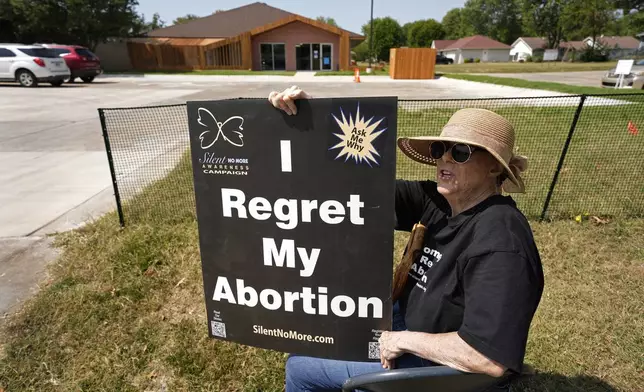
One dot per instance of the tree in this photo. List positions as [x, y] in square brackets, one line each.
[41, 20]
[85, 22]
[588, 18]
[543, 18]
[497, 19]
[421, 33]
[629, 5]
[361, 51]
[329, 21]
[628, 19]
[405, 31]
[475, 19]
[453, 24]
[387, 34]
[9, 22]
[633, 23]
[185, 19]
[155, 23]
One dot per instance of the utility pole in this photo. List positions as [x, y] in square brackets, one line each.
[371, 36]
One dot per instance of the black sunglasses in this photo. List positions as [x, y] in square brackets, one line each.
[461, 152]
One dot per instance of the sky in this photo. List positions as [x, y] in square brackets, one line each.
[349, 14]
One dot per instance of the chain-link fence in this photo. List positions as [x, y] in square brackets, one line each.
[583, 154]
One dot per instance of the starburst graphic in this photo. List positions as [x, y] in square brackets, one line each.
[356, 139]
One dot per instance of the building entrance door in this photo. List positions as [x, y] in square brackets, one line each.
[327, 54]
[314, 57]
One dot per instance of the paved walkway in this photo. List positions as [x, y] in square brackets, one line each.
[305, 76]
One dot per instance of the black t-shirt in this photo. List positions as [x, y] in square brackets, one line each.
[479, 272]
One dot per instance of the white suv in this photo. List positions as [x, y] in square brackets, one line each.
[29, 65]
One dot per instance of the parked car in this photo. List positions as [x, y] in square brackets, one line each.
[30, 65]
[635, 79]
[81, 61]
[441, 59]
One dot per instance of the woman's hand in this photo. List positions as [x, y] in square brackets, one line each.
[286, 99]
[390, 347]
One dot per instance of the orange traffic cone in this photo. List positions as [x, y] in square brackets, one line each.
[356, 75]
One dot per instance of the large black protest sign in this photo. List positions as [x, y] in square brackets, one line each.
[296, 217]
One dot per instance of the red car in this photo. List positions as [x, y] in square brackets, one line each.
[81, 61]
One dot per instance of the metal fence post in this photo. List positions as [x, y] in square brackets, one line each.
[108, 149]
[573, 126]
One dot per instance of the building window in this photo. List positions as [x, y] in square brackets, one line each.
[273, 57]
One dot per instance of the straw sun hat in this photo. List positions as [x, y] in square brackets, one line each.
[480, 128]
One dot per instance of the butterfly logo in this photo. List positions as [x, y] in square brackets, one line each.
[229, 130]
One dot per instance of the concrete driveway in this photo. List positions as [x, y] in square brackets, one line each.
[54, 174]
[585, 78]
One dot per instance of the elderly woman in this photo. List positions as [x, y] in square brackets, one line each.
[473, 288]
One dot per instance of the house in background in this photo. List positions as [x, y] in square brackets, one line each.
[525, 47]
[255, 36]
[441, 44]
[570, 49]
[617, 47]
[477, 47]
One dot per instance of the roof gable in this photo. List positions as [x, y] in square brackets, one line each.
[233, 22]
[296, 18]
[443, 43]
[477, 42]
[532, 42]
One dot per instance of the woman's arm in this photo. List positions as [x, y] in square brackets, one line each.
[444, 348]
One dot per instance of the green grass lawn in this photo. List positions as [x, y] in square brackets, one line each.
[208, 72]
[550, 86]
[510, 67]
[123, 309]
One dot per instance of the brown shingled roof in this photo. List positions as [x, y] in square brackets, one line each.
[621, 42]
[443, 43]
[229, 23]
[575, 45]
[477, 42]
[535, 42]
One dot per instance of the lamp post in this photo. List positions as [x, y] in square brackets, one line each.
[371, 38]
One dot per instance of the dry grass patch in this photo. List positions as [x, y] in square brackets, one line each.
[124, 311]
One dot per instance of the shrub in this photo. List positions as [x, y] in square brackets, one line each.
[361, 51]
[467, 61]
[477, 60]
[538, 59]
[528, 59]
[598, 54]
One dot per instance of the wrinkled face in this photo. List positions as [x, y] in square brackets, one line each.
[469, 179]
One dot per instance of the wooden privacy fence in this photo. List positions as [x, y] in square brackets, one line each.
[174, 54]
[412, 63]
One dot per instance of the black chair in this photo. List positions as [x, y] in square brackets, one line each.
[430, 379]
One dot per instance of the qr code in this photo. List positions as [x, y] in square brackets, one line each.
[218, 329]
[374, 350]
